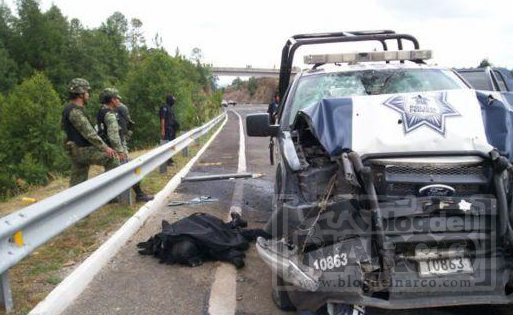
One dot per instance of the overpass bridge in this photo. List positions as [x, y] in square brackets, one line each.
[249, 71]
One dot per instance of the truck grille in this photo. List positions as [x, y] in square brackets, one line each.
[435, 170]
[401, 179]
[413, 189]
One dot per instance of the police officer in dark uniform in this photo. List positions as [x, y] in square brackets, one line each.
[168, 123]
[272, 109]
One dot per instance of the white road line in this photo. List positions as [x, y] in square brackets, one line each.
[224, 289]
[239, 185]
[242, 146]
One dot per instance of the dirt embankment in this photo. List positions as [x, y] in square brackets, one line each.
[262, 94]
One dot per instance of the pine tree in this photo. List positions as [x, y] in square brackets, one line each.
[32, 138]
[484, 63]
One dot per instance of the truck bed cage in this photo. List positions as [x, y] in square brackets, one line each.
[296, 41]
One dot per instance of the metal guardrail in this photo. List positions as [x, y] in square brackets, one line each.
[25, 230]
[249, 71]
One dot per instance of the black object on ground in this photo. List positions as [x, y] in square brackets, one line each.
[201, 237]
[237, 222]
[220, 177]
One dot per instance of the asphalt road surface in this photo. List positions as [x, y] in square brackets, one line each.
[135, 284]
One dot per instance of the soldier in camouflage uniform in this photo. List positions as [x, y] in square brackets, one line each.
[108, 122]
[125, 123]
[113, 123]
[83, 144]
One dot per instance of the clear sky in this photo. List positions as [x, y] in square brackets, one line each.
[240, 33]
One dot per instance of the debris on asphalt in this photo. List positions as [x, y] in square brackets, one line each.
[201, 237]
[211, 164]
[194, 201]
[221, 177]
[245, 280]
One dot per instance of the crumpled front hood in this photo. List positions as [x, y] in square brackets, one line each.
[395, 123]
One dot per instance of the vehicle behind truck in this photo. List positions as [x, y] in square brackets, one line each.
[392, 187]
[488, 79]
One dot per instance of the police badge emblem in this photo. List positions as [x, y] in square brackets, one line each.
[423, 110]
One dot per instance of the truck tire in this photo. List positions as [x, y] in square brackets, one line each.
[281, 296]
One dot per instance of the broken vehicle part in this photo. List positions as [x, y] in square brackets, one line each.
[220, 177]
[194, 201]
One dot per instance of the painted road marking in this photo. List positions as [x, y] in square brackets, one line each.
[224, 289]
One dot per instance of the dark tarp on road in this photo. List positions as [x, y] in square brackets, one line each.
[201, 237]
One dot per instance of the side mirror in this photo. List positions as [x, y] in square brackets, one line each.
[257, 125]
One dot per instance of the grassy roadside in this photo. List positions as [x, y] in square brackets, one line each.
[36, 276]
[38, 193]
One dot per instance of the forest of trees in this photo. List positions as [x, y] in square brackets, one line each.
[40, 52]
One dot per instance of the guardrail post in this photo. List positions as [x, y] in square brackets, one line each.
[125, 197]
[185, 151]
[5, 292]
[163, 166]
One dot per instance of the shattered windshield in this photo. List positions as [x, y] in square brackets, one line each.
[311, 89]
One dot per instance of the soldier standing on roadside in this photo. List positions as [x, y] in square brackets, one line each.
[113, 123]
[168, 123]
[83, 144]
[107, 117]
[125, 122]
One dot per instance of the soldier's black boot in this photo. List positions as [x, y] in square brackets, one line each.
[140, 195]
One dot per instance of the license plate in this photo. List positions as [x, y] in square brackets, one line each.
[444, 266]
[442, 261]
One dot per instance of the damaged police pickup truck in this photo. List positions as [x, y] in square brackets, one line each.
[393, 182]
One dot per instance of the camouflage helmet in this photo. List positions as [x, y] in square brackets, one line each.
[79, 86]
[107, 94]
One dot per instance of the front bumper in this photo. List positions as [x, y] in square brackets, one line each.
[285, 263]
[311, 289]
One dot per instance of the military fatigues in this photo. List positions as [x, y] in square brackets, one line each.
[110, 131]
[83, 144]
[114, 129]
[125, 124]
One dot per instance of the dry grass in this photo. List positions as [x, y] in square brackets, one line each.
[39, 193]
[34, 277]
